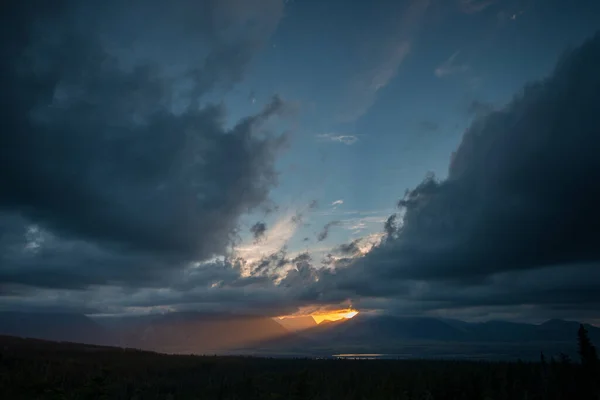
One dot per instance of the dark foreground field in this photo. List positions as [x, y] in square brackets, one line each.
[33, 369]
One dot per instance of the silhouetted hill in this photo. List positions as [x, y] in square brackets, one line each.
[55, 326]
[499, 331]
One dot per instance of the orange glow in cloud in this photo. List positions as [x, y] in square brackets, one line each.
[334, 316]
[329, 315]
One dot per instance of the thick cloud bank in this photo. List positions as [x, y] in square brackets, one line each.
[114, 168]
[517, 220]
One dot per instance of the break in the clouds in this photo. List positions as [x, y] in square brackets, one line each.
[519, 207]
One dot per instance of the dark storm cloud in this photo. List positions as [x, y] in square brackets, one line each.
[519, 206]
[302, 258]
[271, 263]
[325, 231]
[390, 226]
[216, 286]
[566, 291]
[34, 257]
[242, 296]
[111, 172]
[348, 249]
[301, 276]
[521, 187]
[258, 230]
[564, 285]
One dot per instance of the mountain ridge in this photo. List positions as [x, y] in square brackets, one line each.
[201, 333]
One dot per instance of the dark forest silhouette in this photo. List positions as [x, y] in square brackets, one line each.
[36, 369]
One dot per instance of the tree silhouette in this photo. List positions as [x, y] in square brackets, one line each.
[589, 365]
[32, 369]
[587, 351]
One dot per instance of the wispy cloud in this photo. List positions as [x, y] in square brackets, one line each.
[337, 203]
[332, 137]
[325, 232]
[381, 76]
[505, 16]
[348, 214]
[474, 6]
[451, 67]
[357, 225]
[379, 73]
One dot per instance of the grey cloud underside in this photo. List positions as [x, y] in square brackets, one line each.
[348, 249]
[111, 172]
[518, 209]
[269, 266]
[258, 230]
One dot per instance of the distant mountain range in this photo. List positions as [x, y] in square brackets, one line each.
[298, 323]
[214, 334]
[422, 336]
[64, 327]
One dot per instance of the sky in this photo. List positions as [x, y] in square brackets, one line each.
[272, 157]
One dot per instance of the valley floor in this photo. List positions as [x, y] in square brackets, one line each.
[35, 369]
